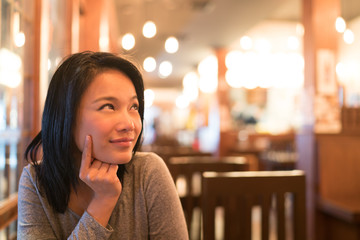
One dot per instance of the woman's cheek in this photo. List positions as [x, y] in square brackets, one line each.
[88, 129]
[95, 150]
[138, 126]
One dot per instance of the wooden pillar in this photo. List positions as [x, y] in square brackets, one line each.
[72, 26]
[94, 15]
[35, 84]
[226, 139]
[90, 25]
[319, 37]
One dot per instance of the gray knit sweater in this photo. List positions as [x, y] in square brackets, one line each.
[148, 208]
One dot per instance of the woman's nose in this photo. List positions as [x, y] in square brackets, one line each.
[125, 123]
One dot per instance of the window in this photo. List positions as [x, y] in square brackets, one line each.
[14, 23]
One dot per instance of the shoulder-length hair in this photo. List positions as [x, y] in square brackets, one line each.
[56, 172]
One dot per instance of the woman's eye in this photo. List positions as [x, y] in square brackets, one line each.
[107, 106]
[135, 107]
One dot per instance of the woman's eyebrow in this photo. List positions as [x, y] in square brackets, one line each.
[105, 99]
[134, 97]
[112, 99]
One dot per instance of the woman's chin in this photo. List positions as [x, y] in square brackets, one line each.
[121, 159]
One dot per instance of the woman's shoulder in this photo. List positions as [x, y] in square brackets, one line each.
[149, 168]
[144, 158]
[29, 171]
[28, 182]
[28, 176]
[146, 162]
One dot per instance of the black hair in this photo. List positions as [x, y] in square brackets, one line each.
[56, 172]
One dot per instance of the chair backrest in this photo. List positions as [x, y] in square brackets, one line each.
[168, 151]
[8, 211]
[189, 170]
[278, 197]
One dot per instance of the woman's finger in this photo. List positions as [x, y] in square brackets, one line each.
[86, 158]
[96, 164]
[113, 168]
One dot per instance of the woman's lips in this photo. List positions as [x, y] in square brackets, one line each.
[123, 142]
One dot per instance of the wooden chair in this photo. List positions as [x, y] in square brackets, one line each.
[189, 169]
[8, 211]
[168, 151]
[279, 197]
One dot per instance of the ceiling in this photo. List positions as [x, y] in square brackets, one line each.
[200, 26]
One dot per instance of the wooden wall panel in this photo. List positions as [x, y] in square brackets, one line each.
[339, 166]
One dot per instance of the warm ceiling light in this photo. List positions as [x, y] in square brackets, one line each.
[299, 29]
[341, 72]
[233, 59]
[171, 45]
[191, 93]
[190, 86]
[165, 69]
[149, 97]
[182, 102]
[10, 68]
[149, 64]
[149, 29]
[246, 43]
[208, 71]
[208, 66]
[340, 24]
[349, 36]
[208, 84]
[233, 78]
[263, 46]
[293, 43]
[128, 41]
[19, 39]
[190, 80]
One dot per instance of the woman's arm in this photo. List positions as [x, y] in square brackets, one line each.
[35, 213]
[102, 179]
[37, 220]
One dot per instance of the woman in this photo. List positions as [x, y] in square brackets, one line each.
[91, 183]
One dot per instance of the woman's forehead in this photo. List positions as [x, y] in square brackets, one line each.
[111, 81]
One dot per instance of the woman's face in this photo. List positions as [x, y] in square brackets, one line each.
[108, 112]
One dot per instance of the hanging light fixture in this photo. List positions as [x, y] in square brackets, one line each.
[246, 43]
[171, 45]
[149, 29]
[340, 25]
[149, 96]
[128, 41]
[149, 64]
[348, 36]
[165, 69]
[19, 39]
[208, 71]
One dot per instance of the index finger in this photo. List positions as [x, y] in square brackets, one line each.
[86, 154]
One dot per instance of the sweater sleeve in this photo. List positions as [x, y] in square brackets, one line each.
[37, 220]
[166, 217]
[89, 228]
[32, 219]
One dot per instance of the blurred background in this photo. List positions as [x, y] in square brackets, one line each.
[275, 80]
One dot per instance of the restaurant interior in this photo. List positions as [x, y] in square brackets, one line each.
[254, 106]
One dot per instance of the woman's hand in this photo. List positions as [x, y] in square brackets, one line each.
[102, 179]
